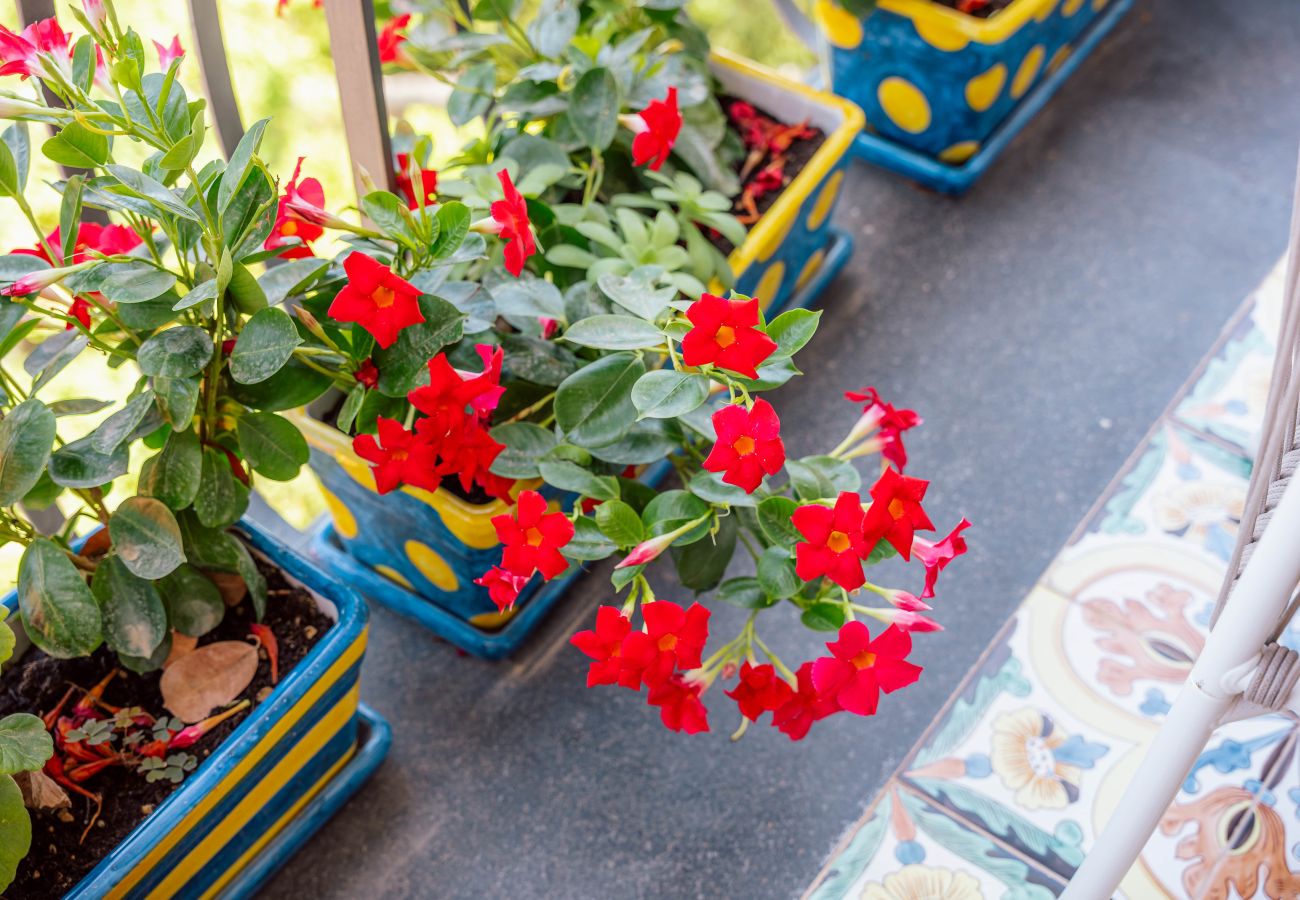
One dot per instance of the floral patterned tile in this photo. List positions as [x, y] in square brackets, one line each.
[906, 849]
[1229, 398]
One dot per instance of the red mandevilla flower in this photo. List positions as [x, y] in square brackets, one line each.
[79, 309]
[310, 192]
[726, 334]
[896, 513]
[805, 706]
[749, 445]
[449, 391]
[835, 544]
[169, 53]
[405, 184]
[512, 223]
[674, 638]
[469, 451]
[657, 127]
[935, 556]
[42, 49]
[367, 374]
[859, 668]
[533, 537]
[760, 690]
[391, 39]
[110, 240]
[604, 646]
[680, 709]
[503, 586]
[376, 299]
[399, 457]
[890, 422]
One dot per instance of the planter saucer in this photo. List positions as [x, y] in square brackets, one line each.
[323, 543]
[373, 739]
[956, 180]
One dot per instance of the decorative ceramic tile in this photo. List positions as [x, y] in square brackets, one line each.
[1229, 398]
[905, 849]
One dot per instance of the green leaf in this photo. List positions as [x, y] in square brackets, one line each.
[671, 510]
[173, 475]
[79, 465]
[8, 640]
[25, 745]
[177, 399]
[135, 621]
[273, 445]
[266, 343]
[293, 386]
[61, 359]
[553, 30]
[114, 430]
[351, 406]
[176, 352]
[593, 108]
[645, 442]
[70, 215]
[774, 519]
[637, 291]
[163, 198]
[821, 477]
[473, 94]
[620, 523]
[453, 221]
[667, 394]
[701, 565]
[614, 332]
[588, 542]
[525, 444]
[245, 291]
[823, 617]
[710, 486]
[77, 146]
[744, 592]
[594, 405]
[290, 278]
[11, 185]
[222, 498]
[194, 605]
[132, 281]
[529, 299]
[15, 825]
[17, 139]
[43, 494]
[26, 438]
[792, 330]
[59, 613]
[146, 537]
[240, 160]
[142, 665]
[405, 365]
[776, 573]
[200, 293]
[570, 476]
[389, 214]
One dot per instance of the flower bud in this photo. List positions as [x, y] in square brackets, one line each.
[649, 550]
[35, 282]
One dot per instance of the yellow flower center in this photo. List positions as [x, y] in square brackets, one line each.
[838, 541]
[726, 336]
[744, 445]
[289, 228]
[534, 537]
[383, 297]
[864, 660]
[896, 508]
[668, 642]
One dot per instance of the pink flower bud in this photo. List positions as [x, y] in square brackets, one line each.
[296, 207]
[35, 282]
[649, 550]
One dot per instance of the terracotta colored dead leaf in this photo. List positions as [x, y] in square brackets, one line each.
[182, 645]
[96, 545]
[40, 791]
[231, 584]
[210, 677]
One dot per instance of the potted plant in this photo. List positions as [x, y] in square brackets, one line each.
[181, 684]
[945, 84]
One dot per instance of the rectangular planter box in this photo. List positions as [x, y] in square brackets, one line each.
[249, 791]
[941, 83]
[419, 551]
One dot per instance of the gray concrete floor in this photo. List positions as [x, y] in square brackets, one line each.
[1040, 324]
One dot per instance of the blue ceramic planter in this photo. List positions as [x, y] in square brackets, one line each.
[942, 91]
[273, 779]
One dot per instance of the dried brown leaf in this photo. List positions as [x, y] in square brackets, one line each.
[182, 645]
[40, 791]
[210, 677]
[232, 586]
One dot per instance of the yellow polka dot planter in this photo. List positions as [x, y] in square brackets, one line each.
[296, 757]
[792, 249]
[944, 92]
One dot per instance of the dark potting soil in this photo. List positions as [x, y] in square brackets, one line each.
[797, 157]
[59, 858]
[980, 11]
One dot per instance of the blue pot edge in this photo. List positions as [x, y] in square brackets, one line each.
[352, 618]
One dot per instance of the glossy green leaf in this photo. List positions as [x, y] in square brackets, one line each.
[774, 519]
[569, 476]
[792, 330]
[405, 365]
[59, 613]
[744, 592]
[473, 94]
[135, 621]
[525, 444]
[272, 445]
[176, 399]
[239, 163]
[593, 108]
[173, 475]
[77, 146]
[25, 745]
[132, 282]
[710, 486]
[701, 565]
[200, 293]
[666, 393]
[822, 477]
[15, 823]
[638, 291]
[79, 465]
[823, 617]
[176, 352]
[614, 332]
[115, 429]
[588, 542]
[594, 405]
[265, 344]
[620, 523]
[26, 438]
[776, 573]
[194, 605]
[245, 290]
[671, 510]
[146, 537]
[222, 498]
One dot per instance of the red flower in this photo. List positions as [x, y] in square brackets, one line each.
[725, 333]
[169, 53]
[805, 706]
[281, 4]
[428, 182]
[399, 457]
[679, 705]
[449, 391]
[936, 556]
[469, 451]
[760, 690]
[312, 193]
[657, 128]
[367, 374]
[392, 38]
[110, 240]
[748, 446]
[376, 299]
[859, 668]
[533, 537]
[503, 587]
[896, 512]
[673, 638]
[891, 423]
[79, 309]
[604, 645]
[42, 50]
[835, 543]
[512, 223]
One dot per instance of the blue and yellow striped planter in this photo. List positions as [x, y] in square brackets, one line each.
[943, 84]
[285, 753]
[787, 248]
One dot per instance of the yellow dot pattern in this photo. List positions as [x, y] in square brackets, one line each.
[940, 35]
[393, 575]
[1059, 58]
[810, 268]
[825, 200]
[770, 284]
[491, 621]
[344, 522]
[959, 152]
[904, 103]
[777, 238]
[841, 27]
[1028, 71]
[431, 566]
[983, 90]
[1070, 7]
